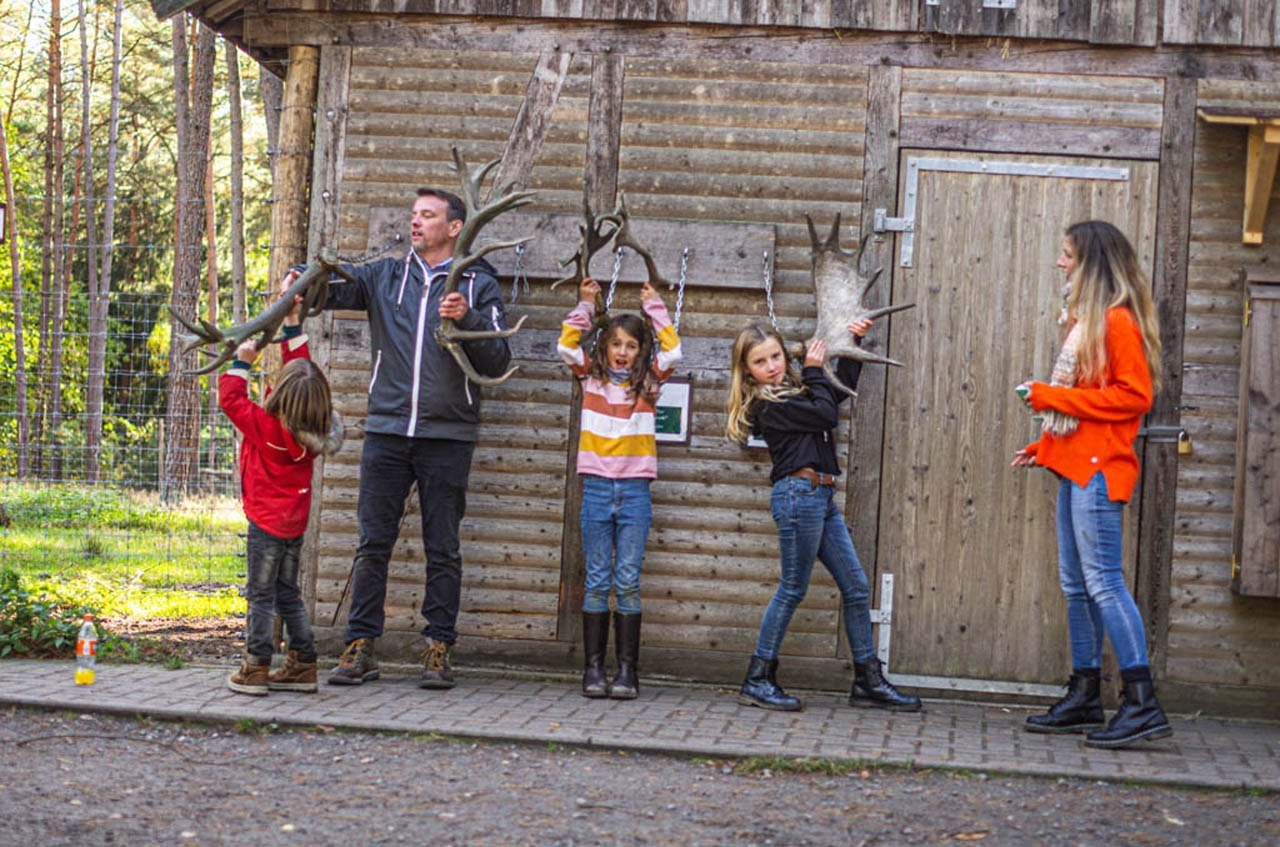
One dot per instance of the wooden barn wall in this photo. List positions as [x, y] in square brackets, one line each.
[1217, 638]
[402, 118]
[752, 142]
[1247, 23]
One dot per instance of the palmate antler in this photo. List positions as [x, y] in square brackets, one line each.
[312, 286]
[841, 290]
[479, 214]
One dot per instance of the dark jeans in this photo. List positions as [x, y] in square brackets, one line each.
[810, 527]
[272, 588]
[389, 465]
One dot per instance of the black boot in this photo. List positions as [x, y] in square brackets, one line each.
[1139, 718]
[1079, 711]
[872, 690]
[626, 632]
[595, 639]
[760, 688]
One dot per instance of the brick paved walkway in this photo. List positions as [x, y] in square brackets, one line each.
[693, 721]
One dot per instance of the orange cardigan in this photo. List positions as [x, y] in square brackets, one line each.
[1109, 414]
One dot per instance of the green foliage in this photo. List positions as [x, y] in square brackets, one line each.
[33, 625]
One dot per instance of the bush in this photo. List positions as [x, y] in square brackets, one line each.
[32, 625]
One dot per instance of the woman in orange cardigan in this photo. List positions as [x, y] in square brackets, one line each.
[1103, 383]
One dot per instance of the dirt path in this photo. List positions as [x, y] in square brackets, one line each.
[88, 780]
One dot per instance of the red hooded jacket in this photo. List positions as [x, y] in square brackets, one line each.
[275, 470]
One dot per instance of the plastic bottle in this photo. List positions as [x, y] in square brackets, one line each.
[86, 652]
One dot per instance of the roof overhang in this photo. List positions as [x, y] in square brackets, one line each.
[1260, 162]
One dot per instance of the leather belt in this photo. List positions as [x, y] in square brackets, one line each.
[815, 477]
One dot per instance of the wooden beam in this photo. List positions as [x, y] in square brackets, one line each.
[1159, 491]
[529, 129]
[326, 181]
[1260, 175]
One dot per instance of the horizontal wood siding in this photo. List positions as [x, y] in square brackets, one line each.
[748, 142]
[1217, 637]
[1032, 113]
[405, 110]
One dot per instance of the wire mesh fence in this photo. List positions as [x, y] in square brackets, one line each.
[114, 543]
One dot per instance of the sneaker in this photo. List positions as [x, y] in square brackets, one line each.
[436, 670]
[298, 673]
[251, 678]
[356, 665]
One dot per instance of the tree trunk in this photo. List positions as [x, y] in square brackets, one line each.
[193, 118]
[22, 54]
[58, 308]
[211, 304]
[93, 391]
[48, 248]
[238, 308]
[15, 264]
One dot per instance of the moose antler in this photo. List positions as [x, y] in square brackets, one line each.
[479, 215]
[594, 237]
[312, 286]
[841, 290]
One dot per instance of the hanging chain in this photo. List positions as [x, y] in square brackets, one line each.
[768, 291]
[518, 277]
[373, 254]
[613, 281]
[684, 267]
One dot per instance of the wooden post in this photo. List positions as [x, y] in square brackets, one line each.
[1160, 459]
[604, 140]
[880, 189]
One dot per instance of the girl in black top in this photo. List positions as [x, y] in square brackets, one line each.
[797, 419]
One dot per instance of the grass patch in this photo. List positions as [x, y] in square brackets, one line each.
[123, 553]
[782, 764]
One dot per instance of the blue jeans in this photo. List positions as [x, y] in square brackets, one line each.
[1090, 552]
[810, 526]
[616, 514]
[271, 586]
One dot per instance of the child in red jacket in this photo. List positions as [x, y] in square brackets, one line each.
[282, 438]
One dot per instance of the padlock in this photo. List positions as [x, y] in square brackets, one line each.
[1184, 443]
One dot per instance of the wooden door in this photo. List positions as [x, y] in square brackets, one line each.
[971, 541]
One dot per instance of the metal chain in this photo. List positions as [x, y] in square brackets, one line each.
[518, 276]
[613, 282]
[684, 267]
[768, 291]
[360, 260]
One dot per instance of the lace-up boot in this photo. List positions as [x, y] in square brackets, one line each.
[298, 673]
[437, 672]
[1139, 718]
[761, 688]
[871, 690]
[356, 665]
[1079, 711]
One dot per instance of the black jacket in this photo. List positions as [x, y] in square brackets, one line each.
[800, 430]
[416, 389]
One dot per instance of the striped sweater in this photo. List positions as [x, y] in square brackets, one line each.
[617, 439]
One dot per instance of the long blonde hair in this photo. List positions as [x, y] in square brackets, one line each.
[1107, 275]
[302, 402]
[743, 388]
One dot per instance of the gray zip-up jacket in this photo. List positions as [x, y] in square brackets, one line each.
[416, 389]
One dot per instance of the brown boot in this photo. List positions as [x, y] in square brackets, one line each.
[251, 678]
[437, 672]
[298, 673]
[356, 665]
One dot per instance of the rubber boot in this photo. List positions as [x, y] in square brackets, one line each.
[761, 688]
[1079, 711]
[1139, 718]
[871, 690]
[595, 639]
[626, 633]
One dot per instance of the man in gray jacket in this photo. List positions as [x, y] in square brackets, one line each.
[421, 425]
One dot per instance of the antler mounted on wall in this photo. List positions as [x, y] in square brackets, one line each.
[841, 290]
[312, 286]
[479, 214]
[595, 236]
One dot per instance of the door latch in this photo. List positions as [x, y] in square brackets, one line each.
[881, 222]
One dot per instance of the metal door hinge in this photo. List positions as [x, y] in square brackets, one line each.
[881, 222]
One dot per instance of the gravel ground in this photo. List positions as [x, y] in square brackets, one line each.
[81, 779]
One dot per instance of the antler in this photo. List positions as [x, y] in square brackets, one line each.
[594, 237]
[479, 215]
[312, 286]
[622, 237]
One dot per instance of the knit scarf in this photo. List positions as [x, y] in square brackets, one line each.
[1065, 373]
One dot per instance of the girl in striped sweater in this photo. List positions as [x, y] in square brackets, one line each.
[617, 458]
